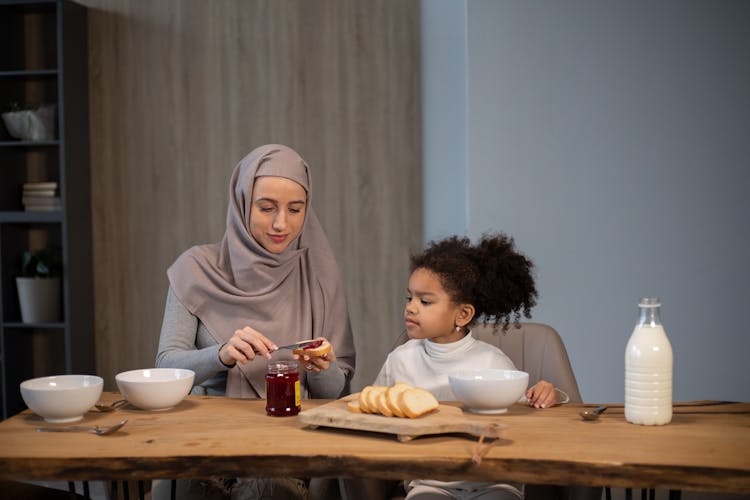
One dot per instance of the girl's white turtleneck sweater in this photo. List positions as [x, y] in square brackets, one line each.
[426, 364]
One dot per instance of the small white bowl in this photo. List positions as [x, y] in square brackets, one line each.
[62, 398]
[488, 391]
[155, 388]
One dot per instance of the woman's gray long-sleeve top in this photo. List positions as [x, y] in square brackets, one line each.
[185, 342]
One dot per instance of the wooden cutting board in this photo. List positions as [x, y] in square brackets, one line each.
[445, 420]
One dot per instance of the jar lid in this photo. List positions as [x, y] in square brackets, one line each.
[284, 366]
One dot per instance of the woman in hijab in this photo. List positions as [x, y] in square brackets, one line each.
[271, 281]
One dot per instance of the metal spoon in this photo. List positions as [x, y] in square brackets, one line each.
[593, 414]
[99, 431]
[110, 407]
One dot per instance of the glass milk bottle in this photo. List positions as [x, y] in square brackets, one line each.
[648, 369]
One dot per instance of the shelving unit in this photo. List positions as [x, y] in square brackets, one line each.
[43, 60]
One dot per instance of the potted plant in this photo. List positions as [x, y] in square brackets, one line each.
[39, 286]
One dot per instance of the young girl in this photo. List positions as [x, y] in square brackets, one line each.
[453, 284]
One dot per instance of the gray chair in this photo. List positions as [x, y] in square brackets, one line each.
[535, 348]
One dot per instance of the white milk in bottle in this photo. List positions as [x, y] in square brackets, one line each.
[648, 369]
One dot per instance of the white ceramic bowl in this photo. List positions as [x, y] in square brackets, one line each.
[62, 398]
[490, 390]
[155, 388]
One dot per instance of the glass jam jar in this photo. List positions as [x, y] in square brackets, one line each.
[282, 389]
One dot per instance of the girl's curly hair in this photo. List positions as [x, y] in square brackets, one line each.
[491, 275]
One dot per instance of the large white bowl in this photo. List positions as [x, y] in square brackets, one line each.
[155, 388]
[490, 390]
[62, 398]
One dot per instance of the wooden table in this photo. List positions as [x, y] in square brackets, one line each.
[706, 447]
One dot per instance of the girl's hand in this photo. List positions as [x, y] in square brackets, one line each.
[316, 363]
[542, 395]
[244, 346]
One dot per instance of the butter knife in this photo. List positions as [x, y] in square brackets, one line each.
[303, 344]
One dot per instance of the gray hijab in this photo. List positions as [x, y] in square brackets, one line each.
[295, 295]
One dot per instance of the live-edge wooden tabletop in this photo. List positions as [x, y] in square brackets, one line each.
[705, 447]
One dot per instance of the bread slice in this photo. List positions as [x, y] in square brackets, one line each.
[315, 349]
[399, 400]
[353, 406]
[416, 402]
[381, 402]
[392, 395]
[363, 406]
[372, 398]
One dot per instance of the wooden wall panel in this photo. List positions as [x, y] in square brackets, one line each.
[181, 90]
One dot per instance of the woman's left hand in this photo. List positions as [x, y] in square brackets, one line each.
[316, 363]
[542, 395]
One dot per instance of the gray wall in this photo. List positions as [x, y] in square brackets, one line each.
[611, 140]
[443, 38]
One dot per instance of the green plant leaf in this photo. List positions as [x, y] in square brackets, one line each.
[42, 263]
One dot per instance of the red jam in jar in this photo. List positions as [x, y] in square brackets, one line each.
[282, 389]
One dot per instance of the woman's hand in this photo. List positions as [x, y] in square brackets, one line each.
[316, 363]
[244, 346]
[542, 395]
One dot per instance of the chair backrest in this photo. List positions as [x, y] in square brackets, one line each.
[535, 348]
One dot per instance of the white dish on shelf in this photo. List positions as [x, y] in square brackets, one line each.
[31, 124]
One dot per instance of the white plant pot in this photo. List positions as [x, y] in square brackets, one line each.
[31, 125]
[39, 299]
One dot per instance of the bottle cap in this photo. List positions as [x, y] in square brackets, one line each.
[649, 302]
